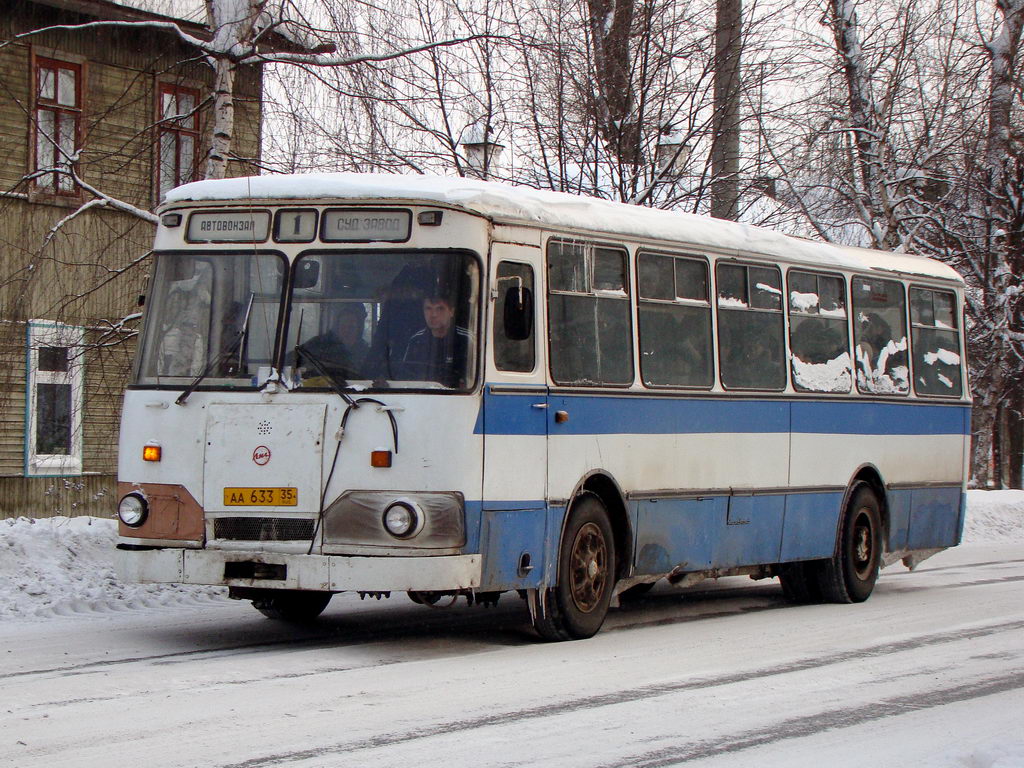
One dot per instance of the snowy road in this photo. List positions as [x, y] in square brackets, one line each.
[928, 672]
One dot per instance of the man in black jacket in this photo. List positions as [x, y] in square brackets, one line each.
[440, 351]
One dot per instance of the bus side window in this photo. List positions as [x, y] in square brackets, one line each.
[935, 341]
[819, 338]
[675, 321]
[514, 348]
[750, 327]
[880, 336]
[589, 315]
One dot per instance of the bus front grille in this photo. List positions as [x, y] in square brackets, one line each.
[262, 529]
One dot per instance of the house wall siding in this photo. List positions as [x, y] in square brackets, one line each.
[91, 271]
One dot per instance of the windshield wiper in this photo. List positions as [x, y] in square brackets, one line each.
[336, 384]
[234, 346]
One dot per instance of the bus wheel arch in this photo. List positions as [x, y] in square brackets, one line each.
[587, 566]
[602, 485]
[830, 580]
[849, 576]
[869, 475]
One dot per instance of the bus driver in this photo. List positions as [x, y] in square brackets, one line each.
[440, 351]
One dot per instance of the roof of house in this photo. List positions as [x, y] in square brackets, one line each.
[136, 10]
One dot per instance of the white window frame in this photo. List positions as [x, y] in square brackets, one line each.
[48, 333]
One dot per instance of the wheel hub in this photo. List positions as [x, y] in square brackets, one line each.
[589, 571]
[863, 546]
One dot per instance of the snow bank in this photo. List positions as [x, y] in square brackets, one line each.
[994, 516]
[62, 566]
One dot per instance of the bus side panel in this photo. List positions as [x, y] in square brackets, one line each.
[812, 520]
[718, 532]
[899, 504]
[753, 531]
[934, 518]
[678, 532]
[513, 547]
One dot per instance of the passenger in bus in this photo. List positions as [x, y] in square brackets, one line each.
[401, 315]
[815, 341]
[440, 351]
[340, 349]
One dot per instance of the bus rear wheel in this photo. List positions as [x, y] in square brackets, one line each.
[850, 576]
[295, 606]
[576, 607]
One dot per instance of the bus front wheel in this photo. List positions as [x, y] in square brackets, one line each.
[296, 606]
[850, 576]
[576, 607]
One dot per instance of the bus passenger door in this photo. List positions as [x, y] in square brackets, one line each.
[514, 507]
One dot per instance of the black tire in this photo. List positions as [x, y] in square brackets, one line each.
[295, 606]
[850, 576]
[800, 582]
[576, 607]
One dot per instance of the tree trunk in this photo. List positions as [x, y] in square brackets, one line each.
[1014, 441]
[611, 27]
[223, 119]
[725, 147]
[1005, 243]
[982, 423]
[233, 25]
[871, 194]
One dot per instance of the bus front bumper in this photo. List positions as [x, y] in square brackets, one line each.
[333, 573]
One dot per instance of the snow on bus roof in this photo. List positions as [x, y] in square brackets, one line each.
[504, 202]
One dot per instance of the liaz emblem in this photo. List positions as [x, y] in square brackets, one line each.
[261, 455]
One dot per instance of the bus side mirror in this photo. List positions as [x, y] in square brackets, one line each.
[307, 274]
[518, 312]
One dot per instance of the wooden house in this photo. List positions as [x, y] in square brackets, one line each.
[127, 109]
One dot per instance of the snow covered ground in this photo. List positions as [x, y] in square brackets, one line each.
[929, 672]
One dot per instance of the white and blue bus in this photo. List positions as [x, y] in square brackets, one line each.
[449, 387]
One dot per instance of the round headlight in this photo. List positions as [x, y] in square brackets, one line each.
[402, 519]
[132, 510]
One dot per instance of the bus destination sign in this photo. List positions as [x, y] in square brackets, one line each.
[364, 225]
[228, 227]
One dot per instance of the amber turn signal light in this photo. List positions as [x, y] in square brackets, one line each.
[380, 458]
[151, 453]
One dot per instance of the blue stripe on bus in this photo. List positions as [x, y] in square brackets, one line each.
[511, 414]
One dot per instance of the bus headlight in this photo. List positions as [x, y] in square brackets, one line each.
[432, 522]
[403, 519]
[133, 510]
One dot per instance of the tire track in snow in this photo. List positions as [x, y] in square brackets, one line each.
[801, 727]
[681, 753]
[473, 627]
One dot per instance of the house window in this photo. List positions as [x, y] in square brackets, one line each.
[58, 115]
[178, 136]
[55, 398]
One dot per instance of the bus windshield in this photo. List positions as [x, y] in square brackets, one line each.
[213, 313]
[395, 319]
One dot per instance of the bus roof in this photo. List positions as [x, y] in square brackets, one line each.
[523, 205]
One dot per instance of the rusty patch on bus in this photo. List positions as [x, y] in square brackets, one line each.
[173, 513]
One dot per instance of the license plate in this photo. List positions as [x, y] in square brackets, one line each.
[261, 497]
